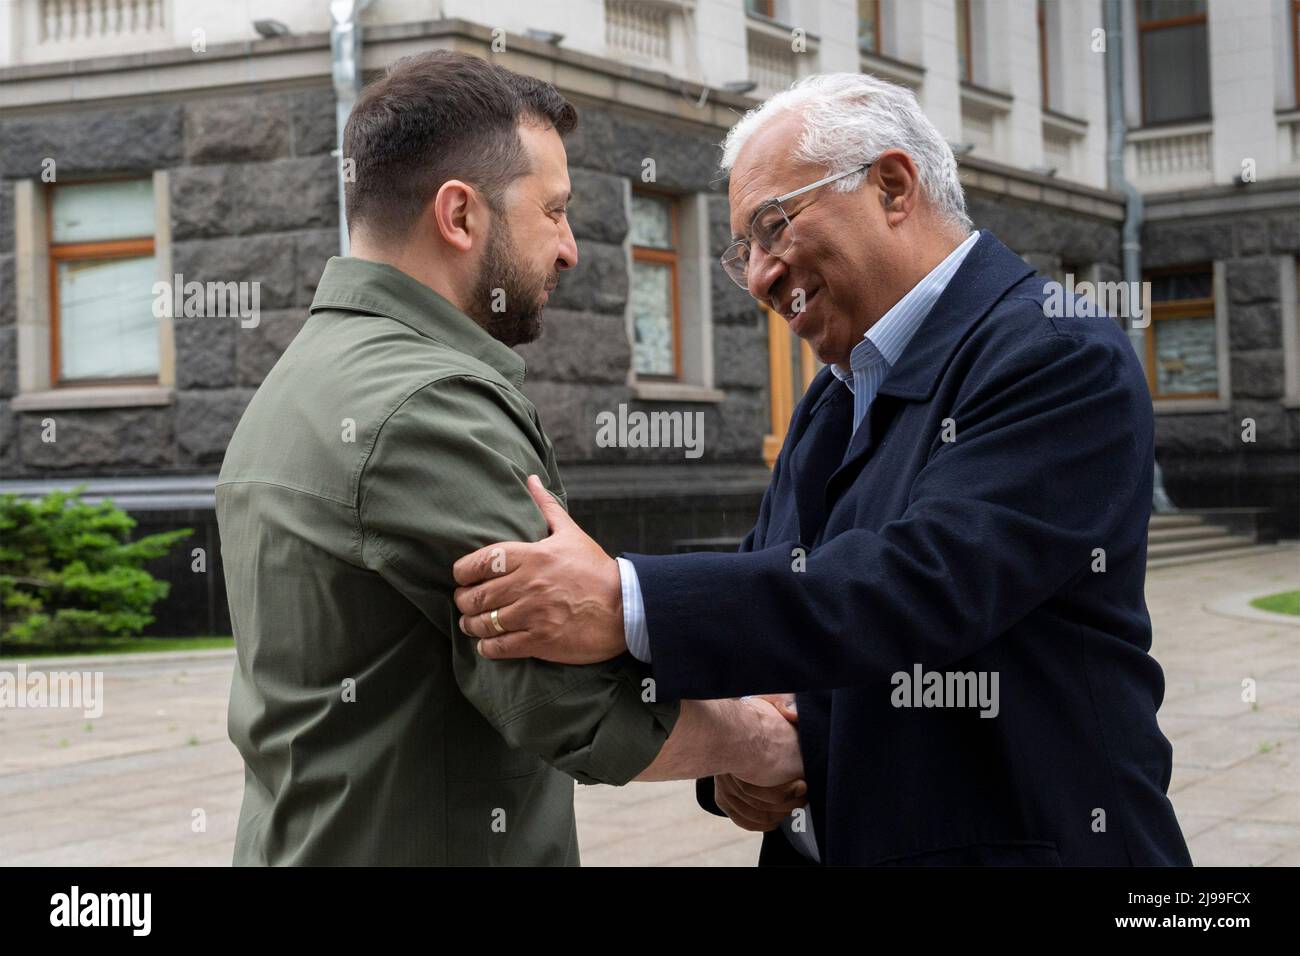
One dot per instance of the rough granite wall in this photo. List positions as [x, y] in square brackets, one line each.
[252, 197]
[1205, 462]
[579, 366]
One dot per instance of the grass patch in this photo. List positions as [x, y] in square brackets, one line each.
[1288, 602]
[116, 645]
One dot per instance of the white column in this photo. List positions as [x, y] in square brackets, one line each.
[931, 29]
[1085, 77]
[838, 30]
[1013, 44]
[1241, 86]
[720, 35]
[9, 27]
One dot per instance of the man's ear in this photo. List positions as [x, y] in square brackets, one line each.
[899, 184]
[455, 214]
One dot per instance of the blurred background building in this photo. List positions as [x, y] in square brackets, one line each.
[144, 139]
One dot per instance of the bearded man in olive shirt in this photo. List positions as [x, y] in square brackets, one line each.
[390, 439]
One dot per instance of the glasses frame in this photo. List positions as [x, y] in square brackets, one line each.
[731, 251]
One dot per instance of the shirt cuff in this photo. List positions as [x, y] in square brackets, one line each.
[634, 628]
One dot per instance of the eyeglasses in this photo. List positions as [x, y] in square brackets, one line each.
[770, 227]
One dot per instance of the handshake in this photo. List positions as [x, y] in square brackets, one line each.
[760, 798]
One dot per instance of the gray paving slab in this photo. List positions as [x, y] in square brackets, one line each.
[122, 789]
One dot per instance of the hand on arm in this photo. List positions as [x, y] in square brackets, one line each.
[558, 599]
[419, 511]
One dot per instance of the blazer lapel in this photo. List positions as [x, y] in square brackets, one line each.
[817, 454]
[873, 428]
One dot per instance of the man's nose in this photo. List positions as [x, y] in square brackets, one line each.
[762, 271]
[567, 255]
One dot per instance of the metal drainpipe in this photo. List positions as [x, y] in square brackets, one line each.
[1132, 234]
[345, 55]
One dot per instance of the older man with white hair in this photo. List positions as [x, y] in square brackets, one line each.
[947, 567]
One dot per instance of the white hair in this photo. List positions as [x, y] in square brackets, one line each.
[852, 118]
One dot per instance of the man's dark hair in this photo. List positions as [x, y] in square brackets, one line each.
[434, 117]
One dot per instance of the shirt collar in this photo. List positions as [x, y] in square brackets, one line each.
[376, 288]
[889, 336]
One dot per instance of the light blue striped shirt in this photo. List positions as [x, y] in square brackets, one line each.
[869, 363]
[882, 346]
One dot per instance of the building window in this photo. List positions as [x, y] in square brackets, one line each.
[102, 272]
[965, 68]
[791, 367]
[1182, 344]
[1051, 62]
[656, 300]
[869, 26]
[764, 8]
[1043, 68]
[1173, 45]
[1295, 47]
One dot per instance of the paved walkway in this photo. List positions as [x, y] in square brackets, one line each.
[1236, 783]
[125, 788]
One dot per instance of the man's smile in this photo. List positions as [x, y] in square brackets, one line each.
[796, 317]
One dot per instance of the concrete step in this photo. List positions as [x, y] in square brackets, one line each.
[1205, 545]
[1196, 558]
[1175, 521]
[1189, 533]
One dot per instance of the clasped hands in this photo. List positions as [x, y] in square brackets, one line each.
[753, 806]
[560, 599]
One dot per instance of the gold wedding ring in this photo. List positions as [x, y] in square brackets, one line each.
[496, 621]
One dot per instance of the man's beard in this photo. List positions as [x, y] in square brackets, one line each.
[516, 294]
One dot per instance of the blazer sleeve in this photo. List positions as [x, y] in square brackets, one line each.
[704, 787]
[447, 476]
[1052, 443]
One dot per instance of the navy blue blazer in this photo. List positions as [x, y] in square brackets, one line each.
[959, 531]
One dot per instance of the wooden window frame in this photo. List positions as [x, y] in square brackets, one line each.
[101, 250]
[1295, 48]
[879, 23]
[670, 258]
[1145, 25]
[1045, 87]
[1178, 309]
[963, 10]
[781, 385]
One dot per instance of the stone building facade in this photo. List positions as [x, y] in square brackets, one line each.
[236, 148]
[1241, 446]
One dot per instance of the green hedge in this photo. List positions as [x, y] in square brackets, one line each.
[69, 571]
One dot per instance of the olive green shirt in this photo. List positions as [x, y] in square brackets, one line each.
[389, 440]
